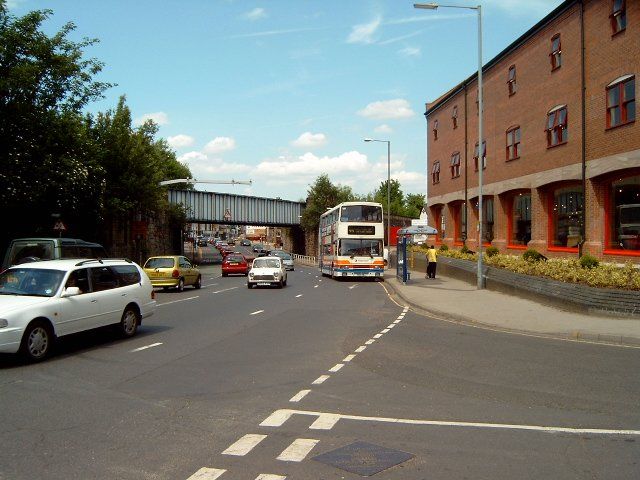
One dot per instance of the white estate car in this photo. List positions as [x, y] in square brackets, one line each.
[42, 301]
[267, 271]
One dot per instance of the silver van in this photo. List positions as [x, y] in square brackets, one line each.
[24, 250]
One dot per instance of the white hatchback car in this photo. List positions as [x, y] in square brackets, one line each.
[267, 271]
[42, 301]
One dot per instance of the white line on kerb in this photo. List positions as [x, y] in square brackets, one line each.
[336, 367]
[256, 312]
[348, 358]
[206, 473]
[320, 379]
[176, 301]
[146, 346]
[299, 396]
[244, 445]
[298, 450]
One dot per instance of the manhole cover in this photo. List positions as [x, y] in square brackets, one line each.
[363, 458]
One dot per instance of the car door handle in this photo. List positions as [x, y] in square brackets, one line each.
[124, 294]
[94, 301]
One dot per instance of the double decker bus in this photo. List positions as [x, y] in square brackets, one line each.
[351, 240]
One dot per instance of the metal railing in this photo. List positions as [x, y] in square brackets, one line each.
[305, 260]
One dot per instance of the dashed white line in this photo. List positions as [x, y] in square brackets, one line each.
[298, 450]
[256, 312]
[225, 290]
[384, 331]
[176, 301]
[298, 296]
[326, 421]
[377, 335]
[353, 286]
[391, 326]
[315, 286]
[348, 358]
[369, 342]
[336, 367]
[361, 348]
[299, 396]
[146, 346]
[320, 379]
[206, 473]
[244, 445]
[268, 476]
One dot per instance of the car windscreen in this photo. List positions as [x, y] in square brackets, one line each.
[266, 263]
[30, 281]
[235, 258]
[159, 263]
[30, 251]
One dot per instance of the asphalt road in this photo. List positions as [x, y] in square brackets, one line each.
[230, 383]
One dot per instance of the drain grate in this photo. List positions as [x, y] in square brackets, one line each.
[363, 458]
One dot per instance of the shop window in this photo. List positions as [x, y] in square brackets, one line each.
[484, 156]
[440, 223]
[566, 217]
[623, 215]
[454, 117]
[556, 52]
[435, 129]
[487, 218]
[557, 126]
[618, 16]
[513, 143]
[435, 173]
[520, 231]
[455, 165]
[511, 80]
[621, 101]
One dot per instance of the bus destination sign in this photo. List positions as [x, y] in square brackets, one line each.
[361, 230]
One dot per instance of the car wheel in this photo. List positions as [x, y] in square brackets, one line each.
[281, 284]
[129, 322]
[37, 341]
[198, 283]
[180, 286]
[285, 282]
[249, 286]
[224, 274]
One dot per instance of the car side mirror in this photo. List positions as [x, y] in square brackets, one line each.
[70, 292]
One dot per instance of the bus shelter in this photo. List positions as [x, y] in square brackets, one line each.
[405, 235]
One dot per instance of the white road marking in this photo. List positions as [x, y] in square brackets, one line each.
[336, 367]
[315, 286]
[405, 309]
[326, 421]
[225, 290]
[206, 473]
[256, 312]
[244, 445]
[298, 296]
[298, 450]
[377, 335]
[146, 346]
[353, 286]
[286, 414]
[391, 326]
[397, 321]
[299, 396]
[176, 301]
[320, 379]
[361, 348]
[277, 418]
[348, 358]
[268, 476]
[369, 342]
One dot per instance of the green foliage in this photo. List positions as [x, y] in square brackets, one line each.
[443, 248]
[321, 196]
[588, 261]
[492, 251]
[464, 249]
[532, 255]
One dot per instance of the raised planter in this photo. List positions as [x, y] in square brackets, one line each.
[571, 296]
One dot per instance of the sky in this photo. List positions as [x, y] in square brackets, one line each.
[281, 91]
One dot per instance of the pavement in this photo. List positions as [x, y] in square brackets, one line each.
[455, 300]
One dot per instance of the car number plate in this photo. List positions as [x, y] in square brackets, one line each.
[263, 283]
[231, 263]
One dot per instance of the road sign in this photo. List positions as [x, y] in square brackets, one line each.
[59, 226]
[227, 214]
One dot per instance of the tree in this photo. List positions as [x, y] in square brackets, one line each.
[396, 196]
[414, 203]
[321, 196]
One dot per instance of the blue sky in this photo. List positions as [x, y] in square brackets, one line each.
[282, 91]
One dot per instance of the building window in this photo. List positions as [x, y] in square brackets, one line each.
[520, 231]
[623, 215]
[455, 165]
[513, 143]
[435, 129]
[435, 173]
[454, 116]
[484, 156]
[557, 131]
[621, 101]
[618, 16]
[566, 217]
[556, 52]
[487, 218]
[511, 80]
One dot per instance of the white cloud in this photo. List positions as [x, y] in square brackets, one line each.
[180, 141]
[159, 118]
[409, 52]
[364, 33]
[310, 140]
[389, 109]
[220, 144]
[384, 128]
[192, 158]
[256, 14]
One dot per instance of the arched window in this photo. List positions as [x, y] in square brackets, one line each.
[621, 101]
[557, 126]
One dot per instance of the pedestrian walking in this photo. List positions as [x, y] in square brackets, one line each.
[432, 259]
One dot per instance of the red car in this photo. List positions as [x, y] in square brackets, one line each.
[234, 263]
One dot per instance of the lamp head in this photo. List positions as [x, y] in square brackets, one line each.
[368, 139]
[426, 6]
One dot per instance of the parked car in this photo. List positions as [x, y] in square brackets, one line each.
[267, 271]
[42, 301]
[24, 250]
[245, 243]
[235, 263]
[172, 271]
[286, 257]
[203, 242]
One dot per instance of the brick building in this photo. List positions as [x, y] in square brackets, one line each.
[561, 148]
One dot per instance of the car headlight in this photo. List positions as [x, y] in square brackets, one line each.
[251, 274]
[276, 274]
[4, 323]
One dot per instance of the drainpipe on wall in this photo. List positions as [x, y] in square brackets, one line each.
[584, 137]
[466, 180]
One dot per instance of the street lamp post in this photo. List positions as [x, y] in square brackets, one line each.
[388, 142]
[433, 6]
